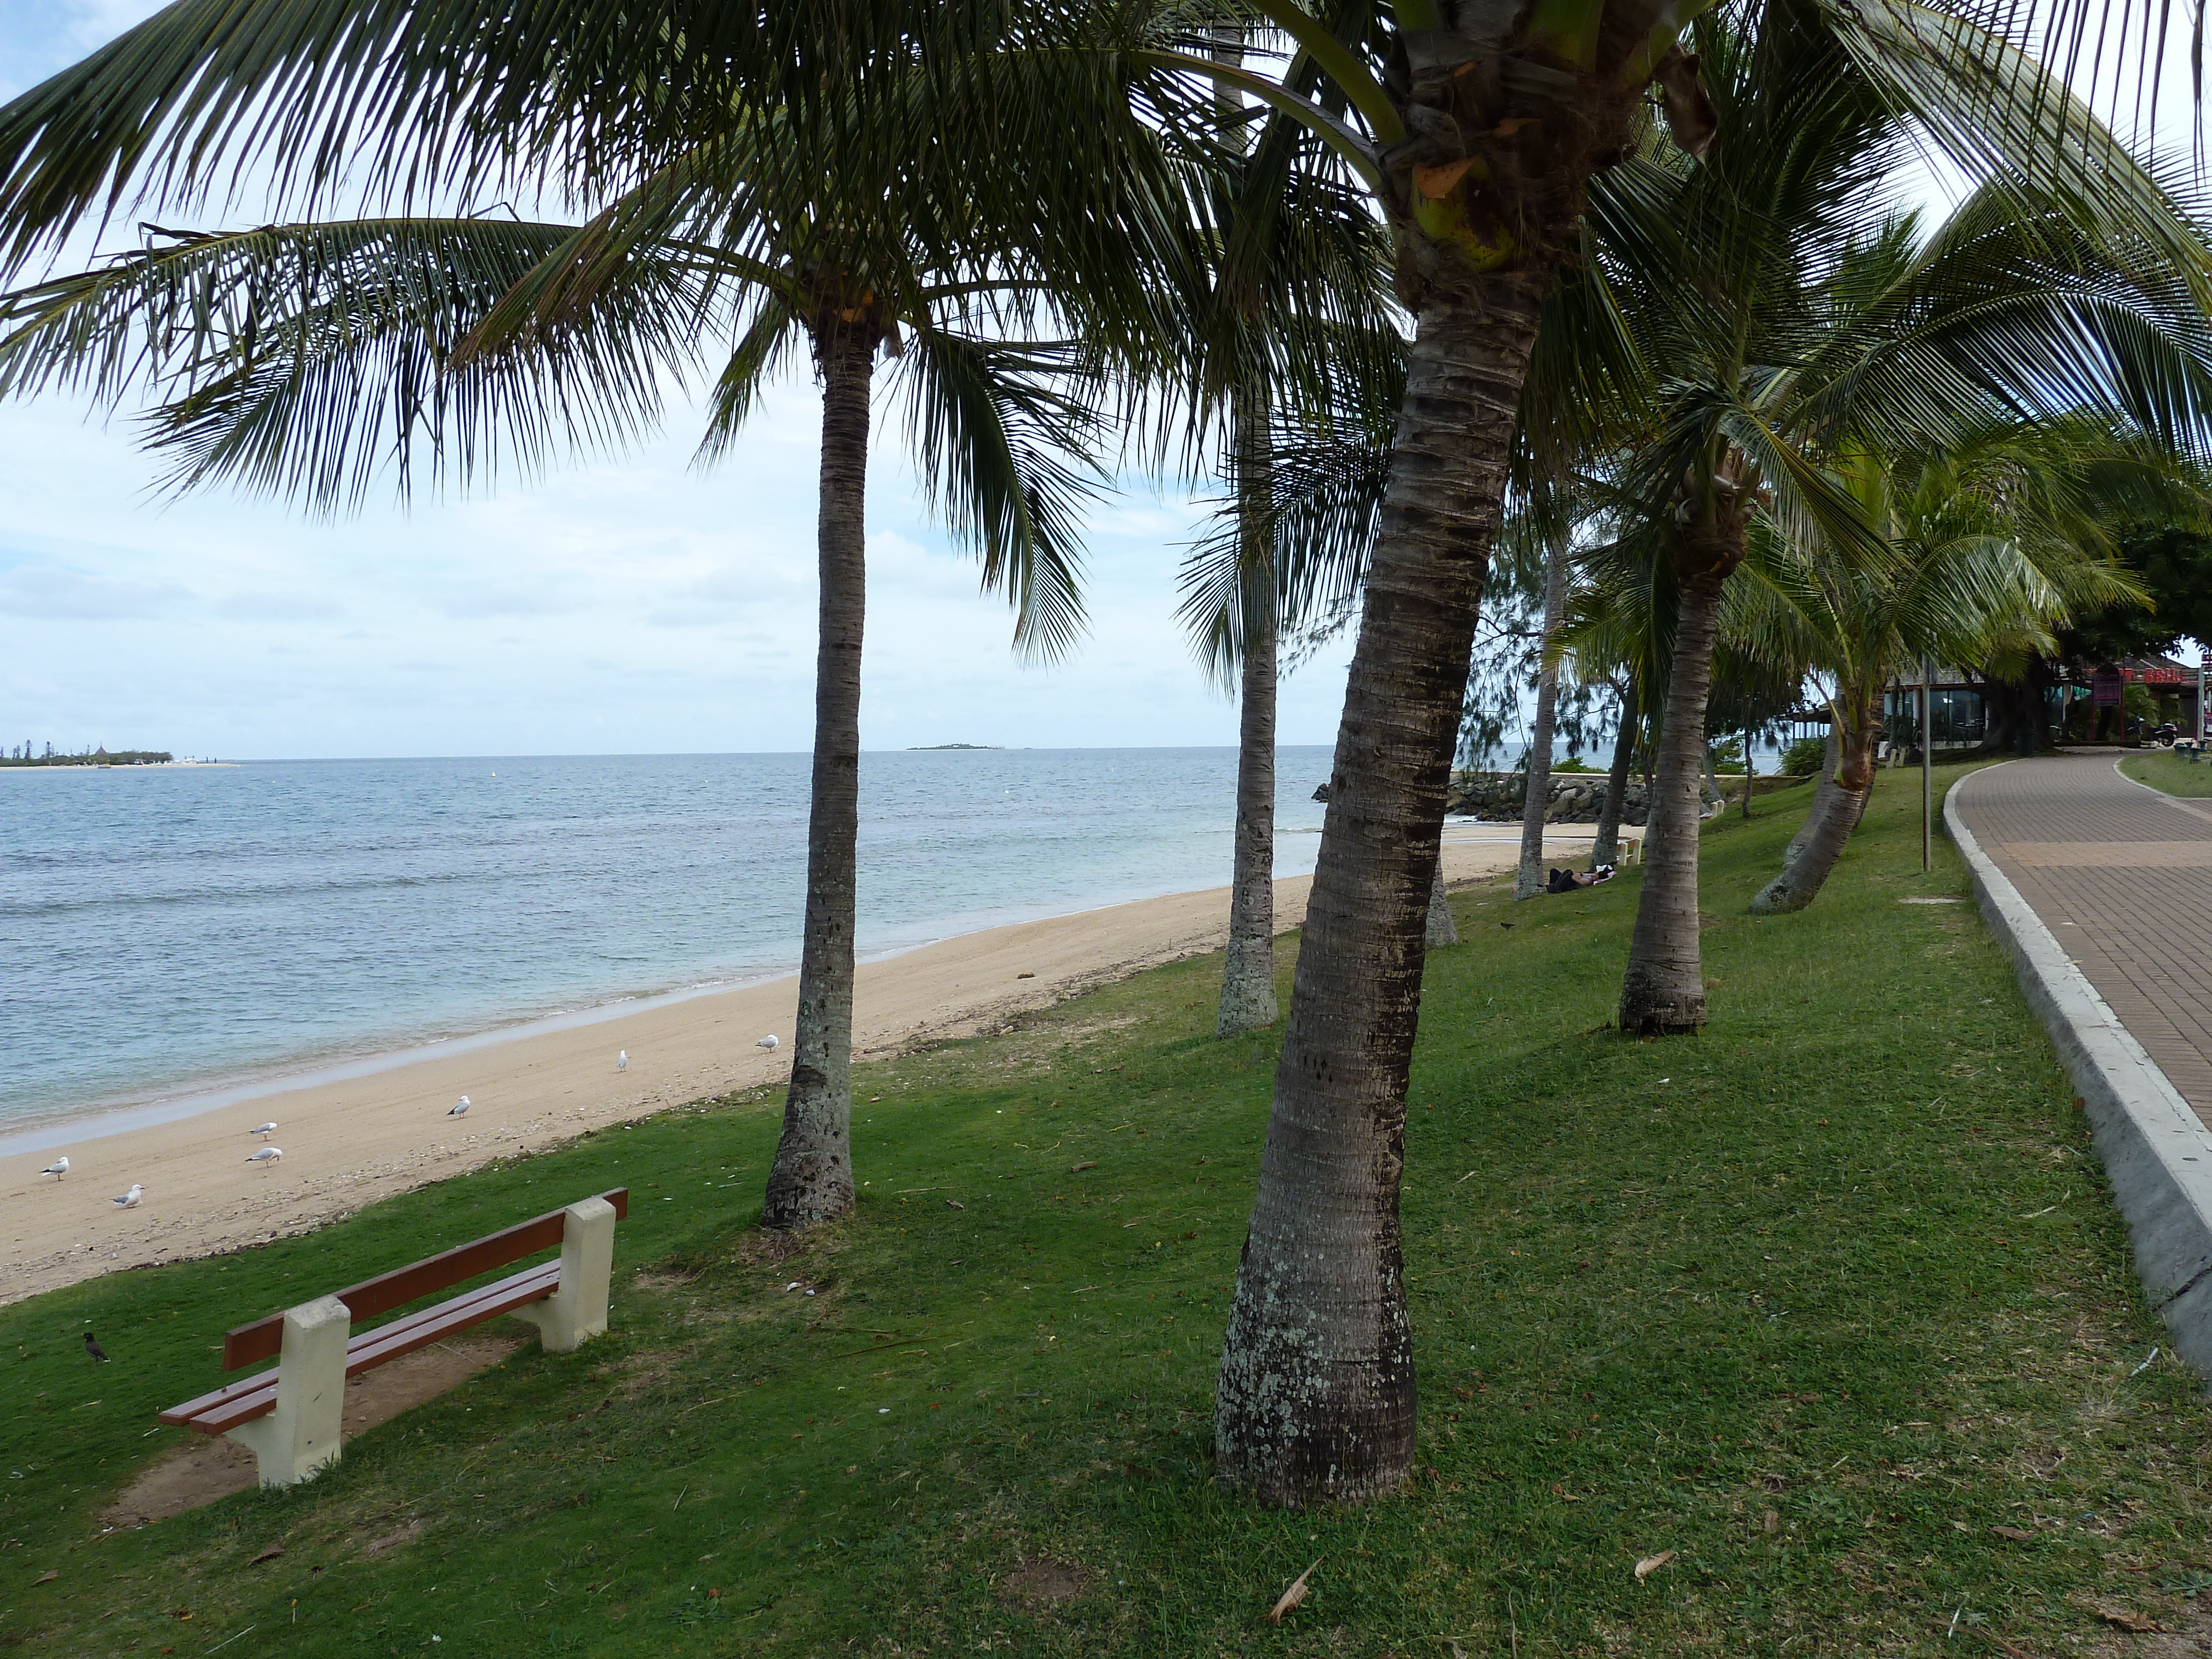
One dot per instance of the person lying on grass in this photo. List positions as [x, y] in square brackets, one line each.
[1565, 881]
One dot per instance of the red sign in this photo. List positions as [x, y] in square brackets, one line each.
[2106, 686]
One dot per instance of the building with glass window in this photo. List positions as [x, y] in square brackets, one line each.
[2084, 705]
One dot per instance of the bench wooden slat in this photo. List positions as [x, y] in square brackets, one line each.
[264, 1338]
[242, 1401]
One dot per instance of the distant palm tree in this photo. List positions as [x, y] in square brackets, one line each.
[1295, 336]
[1778, 321]
[1992, 543]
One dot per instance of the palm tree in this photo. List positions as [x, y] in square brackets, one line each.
[1478, 129]
[1294, 340]
[272, 348]
[1789, 320]
[1605, 843]
[1993, 544]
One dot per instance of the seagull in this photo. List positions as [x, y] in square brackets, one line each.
[766, 1043]
[57, 1169]
[95, 1349]
[265, 1130]
[458, 1109]
[266, 1155]
[128, 1201]
[622, 1060]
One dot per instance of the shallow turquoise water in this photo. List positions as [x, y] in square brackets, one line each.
[164, 930]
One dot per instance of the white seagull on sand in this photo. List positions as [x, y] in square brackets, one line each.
[766, 1043]
[265, 1130]
[458, 1109]
[622, 1060]
[57, 1169]
[266, 1155]
[128, 1201]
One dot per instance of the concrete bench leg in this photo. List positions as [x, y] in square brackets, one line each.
[299, 1438]
[577, 1312]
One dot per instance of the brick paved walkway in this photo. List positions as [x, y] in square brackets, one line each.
[2123, 877]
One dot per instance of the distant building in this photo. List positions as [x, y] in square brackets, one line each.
[2083, 703]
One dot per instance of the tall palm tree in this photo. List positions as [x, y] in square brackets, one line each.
[1783, 320]
[1993, 543]
[1294, 338]
[1478, 126]
[1605, 843]
[299, 356]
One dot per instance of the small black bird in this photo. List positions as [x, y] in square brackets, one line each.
[95, 1349]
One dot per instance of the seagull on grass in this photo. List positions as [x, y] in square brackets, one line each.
[128, 1201]
[266, 1155]
[622, 1060]
[57, 1169]
[458, 1109]
[94, 1349]
[766, 1043]
[265, 1130]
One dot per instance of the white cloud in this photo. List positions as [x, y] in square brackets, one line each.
[47, 593]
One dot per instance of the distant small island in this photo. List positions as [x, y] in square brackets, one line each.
[22, 755]
[932, 748]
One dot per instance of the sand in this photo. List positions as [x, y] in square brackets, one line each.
[349, 1143]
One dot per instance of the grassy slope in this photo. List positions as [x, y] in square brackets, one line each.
[1816, 1301]
[2169, 772]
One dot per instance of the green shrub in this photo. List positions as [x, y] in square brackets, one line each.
[1805, 757]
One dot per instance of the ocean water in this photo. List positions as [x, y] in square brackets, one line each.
[168, 931]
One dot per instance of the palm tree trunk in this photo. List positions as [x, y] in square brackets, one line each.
[1828, 827]
[1248, 976]
[1440, 929]
[1664, 989]
[1528, 881]
[811, 1180]
[1314, 1401]
[1823, 792]
[1605, 847]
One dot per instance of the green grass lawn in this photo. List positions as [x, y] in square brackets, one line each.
[2170, 773]
[1830, 1303]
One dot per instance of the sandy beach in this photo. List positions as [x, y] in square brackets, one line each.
[348, 1143]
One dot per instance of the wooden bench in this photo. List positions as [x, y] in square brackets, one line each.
[290, 1416]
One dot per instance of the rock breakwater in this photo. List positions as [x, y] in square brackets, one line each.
[1576, 797]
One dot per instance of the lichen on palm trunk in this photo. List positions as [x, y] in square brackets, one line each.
[811, 1180]
[1316, 1395]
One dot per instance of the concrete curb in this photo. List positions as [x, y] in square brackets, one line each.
[2156, 1151]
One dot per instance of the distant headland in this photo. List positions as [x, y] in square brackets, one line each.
[931, 748]
[22, 754]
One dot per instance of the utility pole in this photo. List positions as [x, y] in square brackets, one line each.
[1926, 769]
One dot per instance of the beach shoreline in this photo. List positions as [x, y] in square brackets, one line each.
[381, 1128]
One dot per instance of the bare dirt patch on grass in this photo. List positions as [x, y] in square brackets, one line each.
[1045, 1582]
[208, 1469]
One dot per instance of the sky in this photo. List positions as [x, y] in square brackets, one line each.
[628, 603]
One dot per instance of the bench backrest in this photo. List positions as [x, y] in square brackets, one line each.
[264, 1338]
